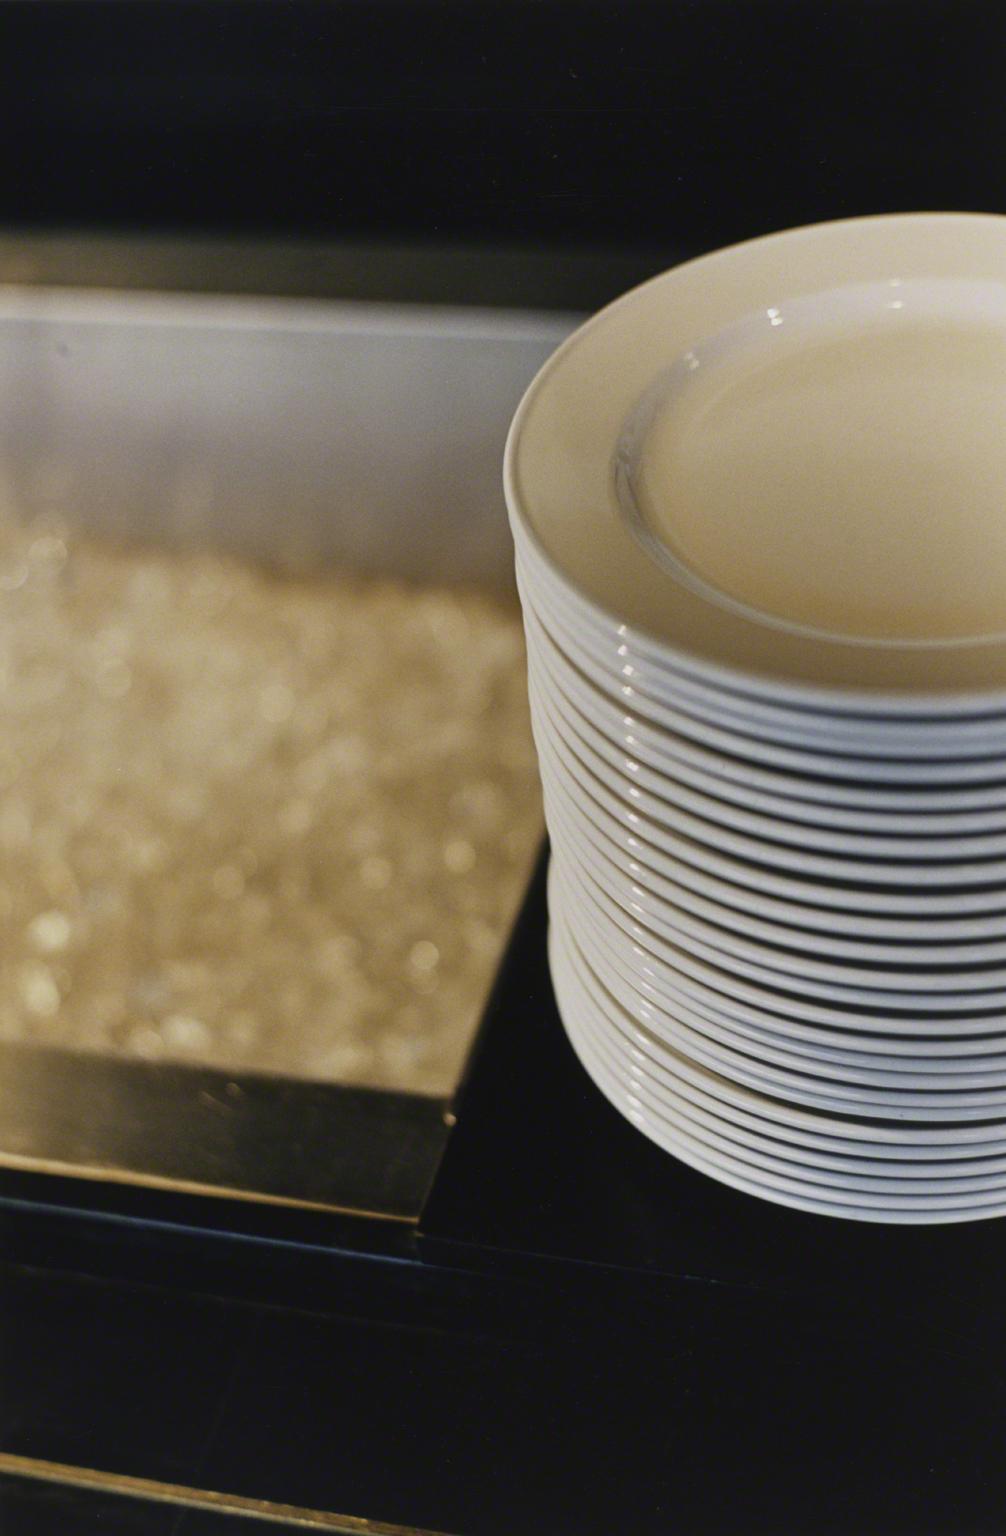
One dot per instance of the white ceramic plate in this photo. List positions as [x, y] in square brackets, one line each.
[677, 919]
[669, 857]
[762, 1154]
[608, 653]
[738, 1175]
[639, 1057]
[790, 1122]
[836, 1095]
[730, 989]
[801, 1187]
[734, 898]
[973, 737]
[654, 794]
[675, 1018]
[855, 1045]
[796, 813]
[746, 603]
[959, 992]
[660, 748]
[649, 1011]
[649, 897]
[653, 720]
[636, 1061]
[972, 875]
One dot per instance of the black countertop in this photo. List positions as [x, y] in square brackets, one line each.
[591, 1338]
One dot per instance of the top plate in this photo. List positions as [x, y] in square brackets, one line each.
[784, 465]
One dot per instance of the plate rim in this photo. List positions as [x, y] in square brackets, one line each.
[702, 637]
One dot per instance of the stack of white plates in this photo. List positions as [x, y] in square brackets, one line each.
[759, 508]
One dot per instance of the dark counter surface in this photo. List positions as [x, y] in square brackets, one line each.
[593, 1339]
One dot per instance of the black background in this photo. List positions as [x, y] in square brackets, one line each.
[679, 125]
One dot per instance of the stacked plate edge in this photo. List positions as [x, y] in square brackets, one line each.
[759, 513]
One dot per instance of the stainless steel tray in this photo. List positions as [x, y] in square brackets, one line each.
[297, 431]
